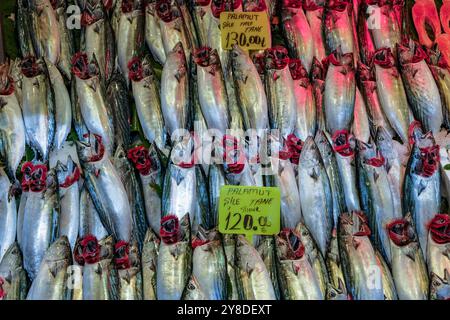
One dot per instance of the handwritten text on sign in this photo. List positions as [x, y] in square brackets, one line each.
[248, 30]
[249, 210]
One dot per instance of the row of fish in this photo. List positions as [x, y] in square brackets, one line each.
[356, 148]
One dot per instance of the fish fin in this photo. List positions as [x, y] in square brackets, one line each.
[414, 73]
[376, 175]
[314, 174]
[93, 86]
[53, 269]
[99, 269]
[422, 186]
[410, 253]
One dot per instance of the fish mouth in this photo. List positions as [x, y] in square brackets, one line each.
[297, 69]
[384, 58]
[292, 239]
[30, 67]
[6, 86]
[364, 72]
[122, 259]
[233, 156]
[429, 163]
[34, 177]
[217, 7]
[73, 177]
[127, 6]
[339, 5]
[140, 157]
[95, 146]
[196, 242]
[164, 11]
[202, 56]
[341, 143]
[400, 232]
[338, 59]
[170, 229]
[440, 229]
[277, 58]
[80, 66]
[317, 70]
[411, 53]
[135, 69]
[358, 220]
[87, 250]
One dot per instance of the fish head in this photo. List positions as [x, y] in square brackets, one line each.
[276, 58]
[440, 287]
[365, 73]
[34, 176]
[84, 69]
[59, 250]
[182, 153]
[324, 145]
[67, 174]
[140, 158]
[310, 156]
[126, 255]
[336, 293]
[298, 70]
[439, 228]
[87, 250]
[383, 140]
[383, 58]
[425, 157]
[170, 232]
[401, 232]
[92, 149]
[206, 57]
[353, 223]
[317, 70]
[306, 236]
[343, 143]
[369, 154]
[410, 52]
[289, 245]
[339, 59]
[166, 11]
[31, 67]
[12, 257]
[135, 69]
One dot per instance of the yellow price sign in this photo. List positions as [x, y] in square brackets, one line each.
[249, 210]
[248, 30]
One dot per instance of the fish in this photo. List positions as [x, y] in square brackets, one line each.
[151, 176]
[193, 291]
[13, 277]
[153, 33]
[297, 278]
[318, 74]
[362, 271]
[175, 90]
[314, 14]
[23, 28]
[117, 97]
[38, 106]
[211, 88]
[201, 17]
[338, 28]
[99, 280]
[279, 87]
[389, 290]
[441, 73]
[95, 112]
[90, 223]
[106, 188]
[216, 180]
[331, 166]
[67, 46]
[315, 194]
[68, 175]
[421, 89]
[174, 258]
[297, 32]
[306, 115]
[173, 27]
[250, 91]
[440, 288]
[368, 86]
[63, 108]
[336, 289]
[98, 39]
[51, 280]
[128, 265]
[421, 188]
[438, 249]
[267, 250]
[344, 149]
[40, 215]
[391, 92]
[146, 92]
[209, 264]
[229, 245]
[44, 30]
[360, 127]
[408, 265]
[131, 34]
[315, 257]
[253, 279]
[12, 128]
[339, 93]
[149, 260]
[376, 196]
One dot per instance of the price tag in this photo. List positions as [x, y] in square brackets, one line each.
[249, 30]
[249, 210]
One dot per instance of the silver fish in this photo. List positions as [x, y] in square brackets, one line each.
[408, 265]
[12, 274]
[63, 108]
[314, 13]
[229, 244]
[336, 289]
[90, 223]
[360, 128]
[23, 28]
[68, 174]
[38, 106]
[8, 215]
[106, 188]
[387, 34]
[67, 45]
[51, 280]
[339, 94]
[216, 179]
[297, 32]
[266, 249]
[128, 264]
[440, 287]
[149, 265]
[315, 194]
[153, 34]
[193, 290]
[175, 90]
[438, 250]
